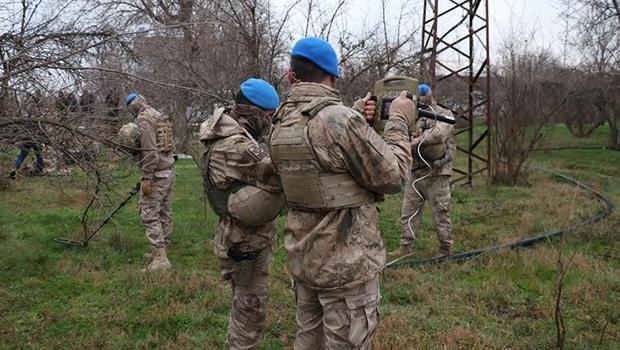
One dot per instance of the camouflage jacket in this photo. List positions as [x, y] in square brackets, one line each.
[342, 248]
[433, 133]
[150, 159]
[236, 157]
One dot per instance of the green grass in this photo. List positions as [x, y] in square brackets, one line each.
[52, 296]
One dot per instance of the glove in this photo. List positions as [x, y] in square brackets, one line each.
[145, 187]
[439, 162]
[366, 107]
[416, 141]
[404, 109]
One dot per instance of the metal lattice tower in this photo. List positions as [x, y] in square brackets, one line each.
[455, 39]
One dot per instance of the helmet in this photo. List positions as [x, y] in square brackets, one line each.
[250, 206]
[129, 136]
[433, 152]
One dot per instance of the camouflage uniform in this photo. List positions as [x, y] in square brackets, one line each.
[435, 187]
[335, 250]
[157, 165]
[232, 157]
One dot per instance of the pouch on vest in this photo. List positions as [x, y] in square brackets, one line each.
[165, 135]
[306, 185]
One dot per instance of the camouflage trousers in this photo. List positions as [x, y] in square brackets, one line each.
[156, 209]
[344, 319]
[436, 192]
[249, 310]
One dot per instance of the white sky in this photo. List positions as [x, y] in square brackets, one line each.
[541, 16]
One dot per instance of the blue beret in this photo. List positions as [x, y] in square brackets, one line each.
[424, 89]
[260, 93]
[132, 96]
[319, 52]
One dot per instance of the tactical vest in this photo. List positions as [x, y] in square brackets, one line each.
[218, 199]
[305, 184]
[165, 135]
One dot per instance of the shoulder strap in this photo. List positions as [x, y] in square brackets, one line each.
[313, 108]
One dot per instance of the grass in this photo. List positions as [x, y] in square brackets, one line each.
[52, 296]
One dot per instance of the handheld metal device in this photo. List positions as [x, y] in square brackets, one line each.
[388, 89]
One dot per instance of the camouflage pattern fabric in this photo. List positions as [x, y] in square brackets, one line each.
[248, 311]
[151, 159]
[345, 319]
[156, 208]
[335, 255]
[436, 193]
[435, 189]
[235, 157]
[441, 133]
[342, 248]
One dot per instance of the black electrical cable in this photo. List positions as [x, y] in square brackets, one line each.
[609, 207]
[568, 147]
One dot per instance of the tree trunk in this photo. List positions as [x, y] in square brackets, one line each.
[614, 142]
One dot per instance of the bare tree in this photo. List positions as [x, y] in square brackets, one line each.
[200, 50]
[43, 47]
[597, 33]
[521, 107]
[384, 47]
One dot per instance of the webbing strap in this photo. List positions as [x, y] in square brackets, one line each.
[341, 190]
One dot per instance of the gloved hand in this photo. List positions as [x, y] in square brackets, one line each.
[145, 187]
[439, 162]
[404, 109]
[415, 141]
[366, 107]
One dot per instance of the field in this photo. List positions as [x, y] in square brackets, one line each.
[53, 296]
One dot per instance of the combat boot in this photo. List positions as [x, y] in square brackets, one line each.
[160, 261]
[445, 250]
[403, 250]
[149, 256]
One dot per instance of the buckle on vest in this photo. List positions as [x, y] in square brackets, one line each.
[238, 256]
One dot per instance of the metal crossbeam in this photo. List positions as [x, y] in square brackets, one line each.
[451, 28]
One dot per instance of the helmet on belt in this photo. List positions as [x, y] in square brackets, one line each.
[433, 152]
[251, 206]
[129, 135]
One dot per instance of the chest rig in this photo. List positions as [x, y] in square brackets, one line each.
[306, 185]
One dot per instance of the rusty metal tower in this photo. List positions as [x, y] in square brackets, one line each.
[455, 40]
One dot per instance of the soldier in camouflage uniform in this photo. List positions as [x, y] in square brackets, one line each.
[334, 169]
[236, 159]
[436, 144]
[156, 164]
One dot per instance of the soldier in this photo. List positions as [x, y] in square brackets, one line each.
[245, 192]
[87, 102]
[435, 142]
[31, 136]
[156, 164]
[334, 168]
